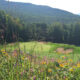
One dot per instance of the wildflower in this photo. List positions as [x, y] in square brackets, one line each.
[71, 69]
[49, 70]
[57, 68]
[70, 60]
[23, 58]
[61, 65]
[31, 70]
[78, 65]
[34, 77]
[63, 57]
[66, 64]
[2, 50]
[6, 54]
[59, 60]
[65, 78]
[15, 53]
[21, 73]
[52, 60]
[43, 62]
[74, 67]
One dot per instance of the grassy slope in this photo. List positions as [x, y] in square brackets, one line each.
[46, 49]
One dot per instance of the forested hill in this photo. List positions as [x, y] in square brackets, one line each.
[12, 30]
[31, 13]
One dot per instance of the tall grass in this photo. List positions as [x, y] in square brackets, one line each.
[38, 61]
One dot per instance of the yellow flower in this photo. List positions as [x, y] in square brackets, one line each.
[71, 69]
[66, 79]
[61, 65]
[74, 67]
[2, 50]
[43, 62]
[63, 56]
[70, 60]
[49, 70]
[66, 64]
[59, 60]
[6, 54]
[57, 68]
[23, 58]
[78, 65]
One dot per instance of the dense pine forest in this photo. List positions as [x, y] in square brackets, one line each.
[13, 29]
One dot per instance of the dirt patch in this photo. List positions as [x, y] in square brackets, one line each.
[43, 42]
[61, 50]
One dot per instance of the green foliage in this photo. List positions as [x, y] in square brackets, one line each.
[9, 28]
[12, 30]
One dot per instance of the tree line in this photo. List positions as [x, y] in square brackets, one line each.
[12, 29]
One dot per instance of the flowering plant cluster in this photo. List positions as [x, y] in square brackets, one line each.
[21, 66]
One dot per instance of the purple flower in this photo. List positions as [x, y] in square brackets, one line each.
[34, 77]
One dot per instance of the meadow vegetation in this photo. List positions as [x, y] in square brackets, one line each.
[39, 61]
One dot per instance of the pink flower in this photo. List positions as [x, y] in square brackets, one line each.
[21, 73]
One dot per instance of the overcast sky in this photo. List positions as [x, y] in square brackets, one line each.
[68, 5]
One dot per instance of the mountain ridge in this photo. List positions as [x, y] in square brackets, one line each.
[31, 13]
[38, 5]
